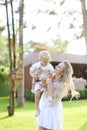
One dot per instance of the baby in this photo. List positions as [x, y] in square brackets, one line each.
[39, 72]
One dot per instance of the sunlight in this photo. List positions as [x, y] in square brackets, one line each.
[44, 27]
[77, 47]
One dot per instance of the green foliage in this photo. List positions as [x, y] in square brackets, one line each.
[4, 87]
[4, 53]
[4, 71]
[59, 46]
[86, 85]
[83, 94]
[4, 81]
[29, 95]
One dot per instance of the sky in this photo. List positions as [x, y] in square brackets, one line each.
[43, 21]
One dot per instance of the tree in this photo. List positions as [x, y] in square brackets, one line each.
[12, 64]
[84, 14]
[12, 54]
[58, 47]
[21, 85]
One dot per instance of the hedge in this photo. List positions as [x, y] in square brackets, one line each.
[83, 95]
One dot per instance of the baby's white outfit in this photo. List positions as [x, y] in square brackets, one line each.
[45, 72]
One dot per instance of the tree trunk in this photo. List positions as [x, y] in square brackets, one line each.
[14, 56]
[21, 85]
[11, 99]
[12, 83]
[84, 13]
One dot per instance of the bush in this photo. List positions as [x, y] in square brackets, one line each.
[83, 95]
[4, 86]
[29, 95]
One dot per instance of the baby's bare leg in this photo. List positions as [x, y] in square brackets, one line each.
[37, 97]
[49, 88]
[33, 83]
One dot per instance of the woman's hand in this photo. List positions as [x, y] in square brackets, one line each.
[49, 81]
[75, 94]
[37, 73]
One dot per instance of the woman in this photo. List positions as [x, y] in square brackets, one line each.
[51, 113]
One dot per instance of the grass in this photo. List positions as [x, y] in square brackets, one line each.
[75, 116]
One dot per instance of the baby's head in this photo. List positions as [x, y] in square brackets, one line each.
[44, 57]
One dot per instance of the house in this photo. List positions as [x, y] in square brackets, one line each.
[78, 62]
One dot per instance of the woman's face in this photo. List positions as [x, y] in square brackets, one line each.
[59, 69]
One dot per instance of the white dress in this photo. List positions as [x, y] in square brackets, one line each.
[51, 116]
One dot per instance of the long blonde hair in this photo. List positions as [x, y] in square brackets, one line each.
[65, 83]
[67, 72]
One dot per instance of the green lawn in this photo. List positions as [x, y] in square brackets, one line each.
[75, 116]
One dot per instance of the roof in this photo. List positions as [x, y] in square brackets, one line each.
[56, 57]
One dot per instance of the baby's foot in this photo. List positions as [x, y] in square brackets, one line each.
[37, 113]
[32, 90]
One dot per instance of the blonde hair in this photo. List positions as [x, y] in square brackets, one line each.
[45, 55]
[65, 83]
[67, 72]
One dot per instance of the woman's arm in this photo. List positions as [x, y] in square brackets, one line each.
[74, 93]
[49, 86]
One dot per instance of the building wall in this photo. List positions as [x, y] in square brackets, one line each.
[27, 78]
[80, 70]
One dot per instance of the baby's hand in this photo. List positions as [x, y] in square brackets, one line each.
[38, 71]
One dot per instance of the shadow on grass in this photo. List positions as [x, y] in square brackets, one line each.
[84, 127]
[5, 117]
